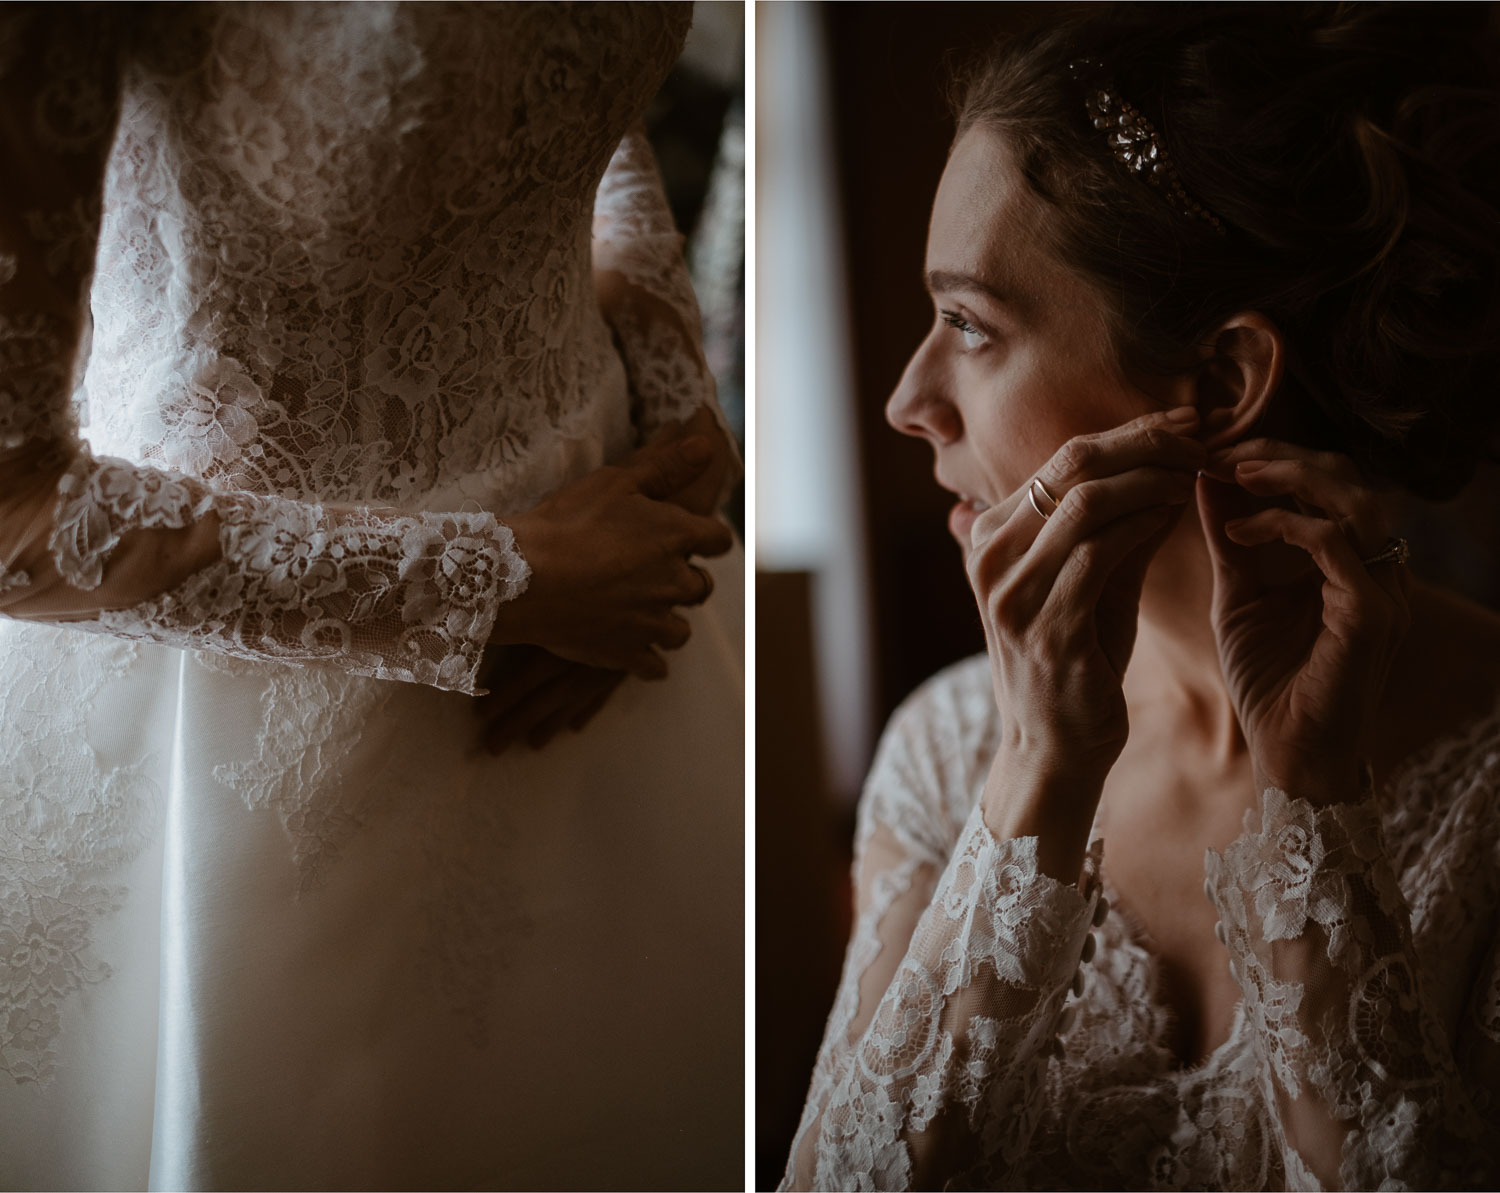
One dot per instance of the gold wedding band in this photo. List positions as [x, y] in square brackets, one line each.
[1036, 484]
[708, 584]
[1396, 550]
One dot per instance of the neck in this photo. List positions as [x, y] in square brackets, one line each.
[1174, 676]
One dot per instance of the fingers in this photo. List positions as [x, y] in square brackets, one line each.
[1347, 503]
[585, 700]
[1221, 462]
[590, 708]
[568, 699]
[647, 664]
[663, 468]
[695, 586]
[699, 535]
[1028, 572]
[1162, 439]
[1218, 503]
[1090, 565]
[1352, 594]
[519, 672]
[673, 632]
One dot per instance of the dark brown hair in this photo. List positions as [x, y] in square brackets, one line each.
[1351, 154]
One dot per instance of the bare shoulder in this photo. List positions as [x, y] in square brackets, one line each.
[1446, 677]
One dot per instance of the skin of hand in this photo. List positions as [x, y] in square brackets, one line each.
[701, 495]
[535, 694]
[609, 561]
[1306, 632]
[1059, 601]
[1018, 369]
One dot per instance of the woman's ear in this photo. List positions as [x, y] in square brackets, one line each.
[1239, 375]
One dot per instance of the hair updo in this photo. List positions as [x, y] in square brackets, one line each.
[1350, 153]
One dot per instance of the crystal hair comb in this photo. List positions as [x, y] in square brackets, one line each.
[1134, 141]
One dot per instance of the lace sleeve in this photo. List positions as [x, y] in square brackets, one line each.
[646, 293]
[146, 553]
[951, 999]
[1359, 1068]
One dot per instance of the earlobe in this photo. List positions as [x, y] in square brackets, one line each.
[1239, 376]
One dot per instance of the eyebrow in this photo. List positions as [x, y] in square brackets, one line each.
[948, 282]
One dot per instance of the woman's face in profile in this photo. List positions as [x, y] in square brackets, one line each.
[1018, 360]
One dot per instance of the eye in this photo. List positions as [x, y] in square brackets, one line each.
[972, 336]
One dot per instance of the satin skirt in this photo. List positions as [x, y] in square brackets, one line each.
[282, 927]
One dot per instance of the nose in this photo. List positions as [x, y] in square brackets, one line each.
[919, 406]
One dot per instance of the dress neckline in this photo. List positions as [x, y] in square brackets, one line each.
[1426, 761]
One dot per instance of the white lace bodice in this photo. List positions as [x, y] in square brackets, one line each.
[996, 1029]
[343, 313]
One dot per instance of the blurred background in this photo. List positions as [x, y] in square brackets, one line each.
[696, 125]
[860, 591]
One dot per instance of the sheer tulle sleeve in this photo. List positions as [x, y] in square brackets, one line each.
[145, 553]
[1369, 1084]
[646, 293]
[953, 992]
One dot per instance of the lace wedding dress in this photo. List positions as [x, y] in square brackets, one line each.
[296, 306]
[997, 1029]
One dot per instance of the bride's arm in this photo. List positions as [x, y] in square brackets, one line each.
[142, 552]
[1362, 1073]
[953, 988]
[646, 295]
[1369, 1084]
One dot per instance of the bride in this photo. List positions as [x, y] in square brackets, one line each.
[329, 339]
[1204, 277]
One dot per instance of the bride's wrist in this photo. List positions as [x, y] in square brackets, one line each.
[1030, 796]
[1320, 778]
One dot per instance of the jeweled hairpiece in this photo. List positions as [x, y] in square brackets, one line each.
[1134, 141]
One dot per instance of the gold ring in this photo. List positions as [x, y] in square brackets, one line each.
[1036, 484]
[1396, 550]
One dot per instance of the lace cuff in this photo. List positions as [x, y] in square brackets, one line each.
[397, 596]
[1356, 1065]
[943, 1085]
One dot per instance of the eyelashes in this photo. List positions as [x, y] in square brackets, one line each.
[972, 336]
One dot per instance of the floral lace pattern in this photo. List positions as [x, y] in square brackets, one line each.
[975, 1052]
[63, 845]
[286, 318]
[319, 278]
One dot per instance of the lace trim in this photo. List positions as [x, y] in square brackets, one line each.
[1353, 1055]
[406, 597]
[969, 1021]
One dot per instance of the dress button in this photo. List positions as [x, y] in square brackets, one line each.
[1089, 944]
[1077, 984]
[1065, 1020]
[1220, 933]
[1208, 888]
[1101, 910]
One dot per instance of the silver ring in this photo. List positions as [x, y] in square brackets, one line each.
[1036, 483]
[1396, 550]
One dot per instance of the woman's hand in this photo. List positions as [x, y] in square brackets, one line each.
[1059, 600]
[609, 561]
[1306, 631]
[702, 494]
[534, 695]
